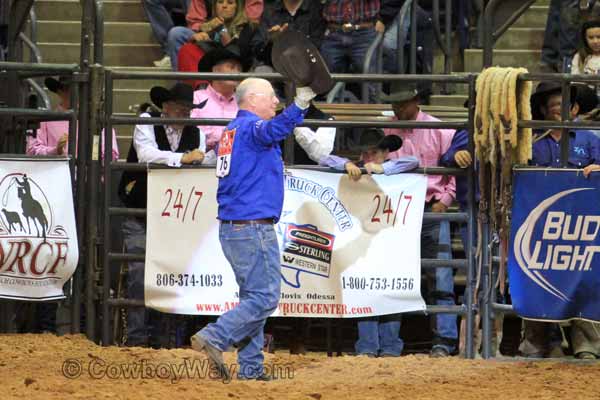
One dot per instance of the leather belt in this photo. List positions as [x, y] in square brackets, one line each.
[348, 27]
[261, 221]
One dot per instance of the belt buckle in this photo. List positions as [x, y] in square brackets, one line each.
[347, 27]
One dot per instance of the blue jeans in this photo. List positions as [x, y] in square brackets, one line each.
[178, 36]
[159, 16]
[253, 252]
[435, 243]
[380, 336]
[134, 236]
[445, 331]
[343, 51]
[561, 37]
[424, 55]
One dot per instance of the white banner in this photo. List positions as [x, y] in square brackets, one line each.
[348, 249]
[38, 237]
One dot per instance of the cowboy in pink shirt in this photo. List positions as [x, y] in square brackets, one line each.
[219, 93]
[52, 136]
[428, 145]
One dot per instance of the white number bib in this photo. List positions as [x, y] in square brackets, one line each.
[224, 155]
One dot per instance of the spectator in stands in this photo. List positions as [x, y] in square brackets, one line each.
[428, 145]
[543, 339]
[219, 94]
[352, 26]
[587, 58]
[299, 15]
[561, 37]
[171, 145]
[228, 24]
[390, 16]
[52, 137]
[161, 21]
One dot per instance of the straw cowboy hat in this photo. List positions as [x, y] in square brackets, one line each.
[297, 58]
[179, 93]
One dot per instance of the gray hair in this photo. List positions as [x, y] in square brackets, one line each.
[247, 87]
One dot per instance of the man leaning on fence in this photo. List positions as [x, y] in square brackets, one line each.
[171, 145]
[544, 339]
[428, 145]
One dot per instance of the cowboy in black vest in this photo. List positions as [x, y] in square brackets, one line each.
[171, 145]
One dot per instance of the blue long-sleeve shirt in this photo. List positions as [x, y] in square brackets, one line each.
[390, 167]
[584, 149]
[253, 189]
[459, 142]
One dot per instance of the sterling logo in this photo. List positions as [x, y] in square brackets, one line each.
[559, 257]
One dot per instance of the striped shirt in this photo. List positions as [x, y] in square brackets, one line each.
[352, 11]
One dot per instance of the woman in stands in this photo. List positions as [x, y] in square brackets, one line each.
[587, 58]
[229, 25]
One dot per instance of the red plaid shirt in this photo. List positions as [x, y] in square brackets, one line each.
[352, 11]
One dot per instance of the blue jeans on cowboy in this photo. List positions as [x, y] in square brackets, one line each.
[253, 252]
[445, 331]
[380, 335]
[145, 327]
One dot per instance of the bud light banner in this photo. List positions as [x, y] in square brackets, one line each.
[38, 237]
[554, 260]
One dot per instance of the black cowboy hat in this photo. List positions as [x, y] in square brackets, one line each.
[297, 58]
[585, 97]
[220, 54]
[375, 137]
[54, 85]
[400, 91]
[179, 93]
[542, 91]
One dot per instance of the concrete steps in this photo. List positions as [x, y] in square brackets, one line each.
[70, 10]
[534, 17]
[115, 54]
[114, 32]
[521, 38]
[504, 58]
[129, 44]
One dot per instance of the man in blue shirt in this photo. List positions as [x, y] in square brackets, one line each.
[584, 146]
[250, 197]
[542, 339]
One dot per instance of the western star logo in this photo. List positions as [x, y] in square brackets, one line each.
[554, 252]
[325, 196]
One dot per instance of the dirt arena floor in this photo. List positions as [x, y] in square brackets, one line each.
[71, 367]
